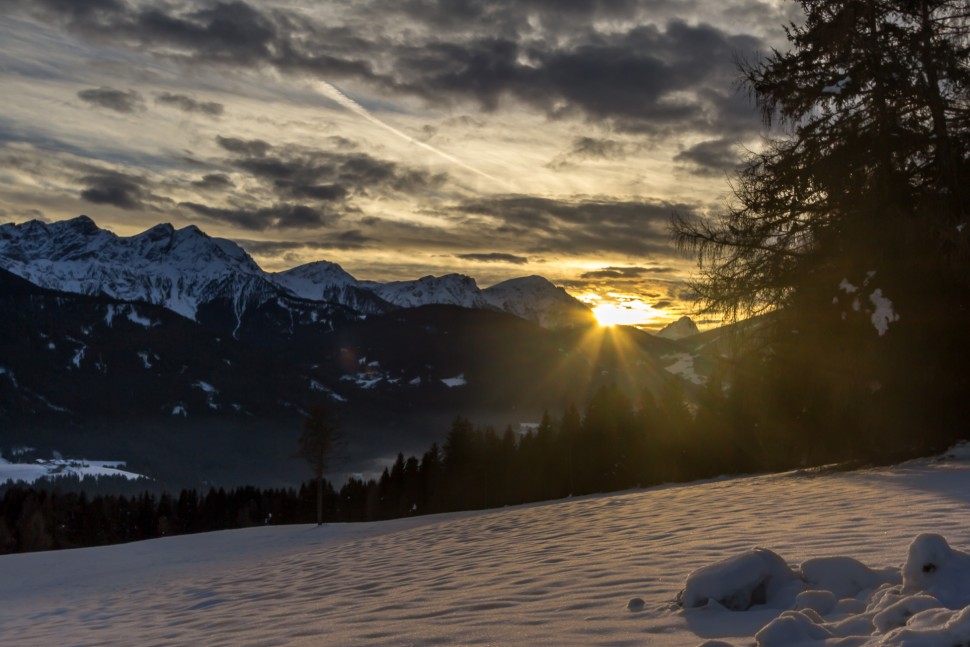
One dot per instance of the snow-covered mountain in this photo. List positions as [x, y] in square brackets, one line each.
[538, 300]
[450, 289]
[683, 327]
[214, 281]
[326, 281]
[179, 269]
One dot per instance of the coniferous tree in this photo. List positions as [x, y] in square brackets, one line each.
[850, 227]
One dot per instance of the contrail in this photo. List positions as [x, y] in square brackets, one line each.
[333, 93]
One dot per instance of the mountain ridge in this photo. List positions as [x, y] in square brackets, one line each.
[186, 270]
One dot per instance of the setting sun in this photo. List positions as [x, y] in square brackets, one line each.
[628, 312]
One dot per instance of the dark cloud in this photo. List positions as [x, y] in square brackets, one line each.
[115, 189]
[593, 148]
[580, 226]
[278, 216]
[250, 147]
[625, 272]
[655, 76]
[112, 99]
[712, 157]
[349, 239]
[330, 176]
[214, 182]
[494, 257]
[188, 104]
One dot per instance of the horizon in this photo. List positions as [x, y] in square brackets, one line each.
[495, 140]
[611, 315]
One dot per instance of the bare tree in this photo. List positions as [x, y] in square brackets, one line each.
[321, 432]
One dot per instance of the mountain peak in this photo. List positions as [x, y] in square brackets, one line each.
[82, 223]
[683, 327]
[450, 289]
[537, 299]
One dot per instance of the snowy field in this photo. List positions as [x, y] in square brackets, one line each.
[602, 570]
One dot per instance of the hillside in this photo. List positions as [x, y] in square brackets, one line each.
[563, 573]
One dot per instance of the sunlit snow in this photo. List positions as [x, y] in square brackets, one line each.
[599, 570]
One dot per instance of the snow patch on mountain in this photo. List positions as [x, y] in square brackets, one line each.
[683, 367]
[58, 468]
[452, 382]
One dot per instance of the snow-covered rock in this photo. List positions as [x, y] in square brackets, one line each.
[758, 576]
[683, 327]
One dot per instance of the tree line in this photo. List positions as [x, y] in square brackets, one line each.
[616, 443]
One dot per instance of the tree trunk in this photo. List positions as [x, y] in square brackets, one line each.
[319, 499]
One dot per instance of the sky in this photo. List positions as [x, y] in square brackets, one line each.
[398, 138]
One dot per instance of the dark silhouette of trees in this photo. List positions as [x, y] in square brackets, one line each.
[317, 442]
[850, 229]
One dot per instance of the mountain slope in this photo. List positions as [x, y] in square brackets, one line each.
[536, 299]
[450, 289]
[326, 281]
[567, 572]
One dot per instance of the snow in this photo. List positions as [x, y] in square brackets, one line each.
[683, 366]
[598, 570]
[452, 382]
[683, 327]
[180, 410]
[54, 468]
[883, 315]
[177, 269]
[78, 356]
[5, 372]
[847, 287]
[205, 386]
[136, 318]
[536, 299]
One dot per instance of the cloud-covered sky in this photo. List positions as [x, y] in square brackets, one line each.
[399, 138]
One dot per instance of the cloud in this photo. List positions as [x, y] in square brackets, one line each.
[494, 257]
[112, 99]
[647, 73]
[278, 216]
[294, 172]
[214, 182]
[580, 225]
[712, 157]
[250, 147]
[115, 189]
[342, 240]
[186, 103]
[593, 148]
[625, 272]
